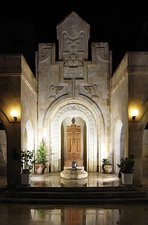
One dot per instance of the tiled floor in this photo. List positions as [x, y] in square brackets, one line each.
[28, 214]
[16, 214]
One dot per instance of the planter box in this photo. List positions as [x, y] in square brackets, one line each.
[127, 178]
[26, 178]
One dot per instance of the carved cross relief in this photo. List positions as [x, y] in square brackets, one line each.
[73, 147]
[73, 52]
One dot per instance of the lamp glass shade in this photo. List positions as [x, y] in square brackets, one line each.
[135, 112]
[14, 113]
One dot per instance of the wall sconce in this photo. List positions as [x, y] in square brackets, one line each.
[134, 113]
[14, 114]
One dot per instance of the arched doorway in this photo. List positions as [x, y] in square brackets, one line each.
[29, 137]
[118, 144]
[73, 110]
[3, 154]
[145, 156]
[95, 143]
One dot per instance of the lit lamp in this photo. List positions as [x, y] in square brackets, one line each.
[14, 114]
[135, 113]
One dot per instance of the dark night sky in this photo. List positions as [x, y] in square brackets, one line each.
[118, 24]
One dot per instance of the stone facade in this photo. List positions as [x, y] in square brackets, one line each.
[75, 86]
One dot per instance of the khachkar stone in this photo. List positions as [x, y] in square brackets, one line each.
[73, 51]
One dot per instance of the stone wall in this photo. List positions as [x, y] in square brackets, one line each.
[28, 108]
[129, 91]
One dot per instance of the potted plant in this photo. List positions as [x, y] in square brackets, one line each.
[106, 166]
[41, 157]
[27, 158]
[126, 167]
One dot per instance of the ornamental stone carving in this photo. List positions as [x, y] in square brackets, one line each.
[73, 51]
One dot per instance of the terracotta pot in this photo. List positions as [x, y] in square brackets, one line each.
[38, 168]
[108, 168]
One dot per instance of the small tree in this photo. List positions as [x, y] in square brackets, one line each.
[41, 154]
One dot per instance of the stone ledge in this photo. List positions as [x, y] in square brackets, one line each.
[73, 174]
[69, 167]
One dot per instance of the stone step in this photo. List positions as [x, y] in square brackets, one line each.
[74, 195]
[77, 189]
[74, 200]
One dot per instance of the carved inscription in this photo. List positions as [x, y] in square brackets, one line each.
[73, 72]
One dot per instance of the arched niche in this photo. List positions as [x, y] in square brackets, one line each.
[95, 143]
